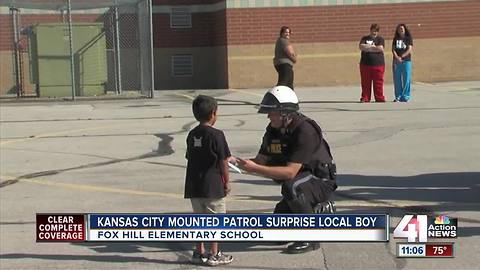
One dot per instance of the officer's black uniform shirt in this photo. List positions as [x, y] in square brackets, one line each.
[301, 143]
[206, 149]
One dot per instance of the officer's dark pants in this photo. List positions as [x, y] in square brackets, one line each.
[303, 193]
[299, 197]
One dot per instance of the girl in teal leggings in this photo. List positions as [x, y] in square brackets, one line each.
[402, 46]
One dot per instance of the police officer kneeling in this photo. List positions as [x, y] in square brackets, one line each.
[294, 153]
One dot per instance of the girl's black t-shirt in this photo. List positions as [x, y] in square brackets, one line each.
[400, 45]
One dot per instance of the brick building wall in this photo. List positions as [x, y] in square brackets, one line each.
[204, 41]
[325, 35]
[326, 39]
[231, 41]
[208, 29]
[350, 22]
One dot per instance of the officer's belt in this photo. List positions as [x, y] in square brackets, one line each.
[303, 180]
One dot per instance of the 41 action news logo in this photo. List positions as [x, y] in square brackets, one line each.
[421, 227]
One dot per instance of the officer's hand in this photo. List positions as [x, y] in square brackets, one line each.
[246, 164]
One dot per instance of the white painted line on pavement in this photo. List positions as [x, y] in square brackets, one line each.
[55, 134]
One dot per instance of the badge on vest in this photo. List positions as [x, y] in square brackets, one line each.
[275, 147]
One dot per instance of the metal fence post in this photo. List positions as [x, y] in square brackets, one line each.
[150, 15]
[118, 74]
[16, 51]
[70, 38]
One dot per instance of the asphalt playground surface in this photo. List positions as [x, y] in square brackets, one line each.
[127, 156]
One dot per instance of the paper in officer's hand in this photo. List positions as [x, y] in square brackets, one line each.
[234, 168]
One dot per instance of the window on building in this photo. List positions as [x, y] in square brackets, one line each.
[180, 17]
[182, 65]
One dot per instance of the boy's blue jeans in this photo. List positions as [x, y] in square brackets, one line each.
[401, 79]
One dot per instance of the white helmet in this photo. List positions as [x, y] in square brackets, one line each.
[279, 98]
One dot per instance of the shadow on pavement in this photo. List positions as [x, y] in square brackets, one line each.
[182, 251]
[428, 193]
[424, 194]
[452, 190]
[457, 190]
[93, 258]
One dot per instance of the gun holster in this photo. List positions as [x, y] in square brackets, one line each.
[326, 171]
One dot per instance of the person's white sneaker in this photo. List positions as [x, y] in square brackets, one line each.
[219, 259]
[198, 258]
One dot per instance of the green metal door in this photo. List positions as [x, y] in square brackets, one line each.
[51, 59]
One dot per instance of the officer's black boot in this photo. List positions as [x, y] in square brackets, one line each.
[302, 247]
[301, 205]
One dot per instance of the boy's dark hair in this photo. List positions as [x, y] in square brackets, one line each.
[203, 106]
[375, 27]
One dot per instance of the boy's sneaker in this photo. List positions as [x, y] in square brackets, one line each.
[219, 259]
[199, 258]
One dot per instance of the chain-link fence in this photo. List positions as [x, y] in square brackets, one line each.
[71, 48]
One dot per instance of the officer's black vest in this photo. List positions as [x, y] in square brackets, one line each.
[278, 145]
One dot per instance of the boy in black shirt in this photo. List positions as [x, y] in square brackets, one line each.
[207, 178]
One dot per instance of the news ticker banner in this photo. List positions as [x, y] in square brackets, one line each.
[224, 227]
[436, 250]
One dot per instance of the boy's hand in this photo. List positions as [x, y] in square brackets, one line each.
[227, 188]
[232, 160]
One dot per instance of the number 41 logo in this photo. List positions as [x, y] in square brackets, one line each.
[412, 228]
